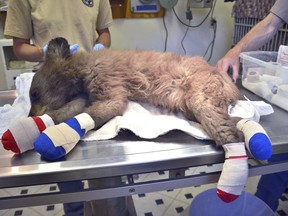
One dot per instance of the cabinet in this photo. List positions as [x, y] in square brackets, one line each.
[10, 66]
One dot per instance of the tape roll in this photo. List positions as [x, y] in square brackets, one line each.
[253, 76]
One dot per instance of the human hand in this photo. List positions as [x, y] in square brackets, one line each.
[98, 46]
[73, 49]
[230, 60]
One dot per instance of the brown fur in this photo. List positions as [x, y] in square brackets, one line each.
[101, 84]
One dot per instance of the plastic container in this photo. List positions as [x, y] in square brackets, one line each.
[208, 203]
[265, 77]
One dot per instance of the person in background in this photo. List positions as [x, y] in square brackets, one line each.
[84, 23]
[270, 187]
[258, 36]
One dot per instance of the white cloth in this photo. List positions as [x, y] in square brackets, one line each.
[21, 105]
[252, 110]
[149, 122]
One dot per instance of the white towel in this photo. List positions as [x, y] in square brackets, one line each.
[21, 105]
[149, 122]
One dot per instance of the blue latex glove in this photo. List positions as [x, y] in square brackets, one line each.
[73, 49]
[98, 46]
[45, 48]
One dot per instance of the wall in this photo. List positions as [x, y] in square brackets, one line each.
[150, 33]
[3, 85]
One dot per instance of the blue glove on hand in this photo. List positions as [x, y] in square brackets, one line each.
[98, 46]
[73, 49]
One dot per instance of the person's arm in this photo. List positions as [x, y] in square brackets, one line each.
[25, 51]
[254, 39]
[104, 37]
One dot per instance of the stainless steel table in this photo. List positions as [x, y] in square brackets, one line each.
[127, 155]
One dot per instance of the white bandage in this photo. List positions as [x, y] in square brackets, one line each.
[234, 173]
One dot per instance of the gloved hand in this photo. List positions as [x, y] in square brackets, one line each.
[98, 46]
[73, 49]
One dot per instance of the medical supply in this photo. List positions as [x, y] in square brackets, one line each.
[265, 74]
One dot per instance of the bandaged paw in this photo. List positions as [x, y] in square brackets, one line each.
[234, 174]
[57, 141]
[23, 132]
[256, 139]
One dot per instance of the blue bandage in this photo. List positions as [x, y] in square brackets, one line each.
[260, 146]
[57, 141]
[256, 139]
[45, 146]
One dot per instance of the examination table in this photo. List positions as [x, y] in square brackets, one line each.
[126, 156]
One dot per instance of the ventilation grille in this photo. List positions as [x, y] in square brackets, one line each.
[243, 25]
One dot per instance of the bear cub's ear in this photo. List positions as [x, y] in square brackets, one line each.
[58, 48]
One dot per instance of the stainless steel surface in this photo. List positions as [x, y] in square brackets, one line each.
[7, 97]
[127, 155]
[128, 189]
[121, 156]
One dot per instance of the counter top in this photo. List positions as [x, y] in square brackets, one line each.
[127, 154]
